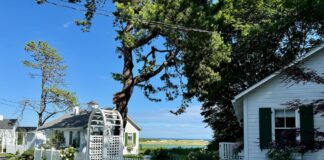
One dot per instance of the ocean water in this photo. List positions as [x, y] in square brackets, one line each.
[169, 146]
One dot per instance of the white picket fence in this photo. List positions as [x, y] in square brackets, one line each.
[52, 154]
[13, 149]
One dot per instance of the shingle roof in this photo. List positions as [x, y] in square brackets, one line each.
[68, 121]
[74, 121]
[26, 129]
[7, 123]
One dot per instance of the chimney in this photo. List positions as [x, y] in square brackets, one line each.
[76, 110]
[1, 117]
[92, 105]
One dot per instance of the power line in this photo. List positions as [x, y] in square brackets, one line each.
[147, 22]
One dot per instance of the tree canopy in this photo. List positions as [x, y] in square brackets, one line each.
[48, 65]
[219, 48]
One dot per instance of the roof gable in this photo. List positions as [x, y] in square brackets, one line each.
[275, 74]
[75, 121]
[8, 123]
[238, 99]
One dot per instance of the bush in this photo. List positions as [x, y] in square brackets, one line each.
[67, 153]
[133, 156]
[203, 154]
[56, 140]
[160, 154]
[279, 153]
[27, 155]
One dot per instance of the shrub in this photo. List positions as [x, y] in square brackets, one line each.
[67, 153]
[27, 155]
[278, 152]
[56, 140]
[133, 156]
[203, 154]
[160, 154]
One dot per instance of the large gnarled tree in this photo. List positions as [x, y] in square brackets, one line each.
[142, 25]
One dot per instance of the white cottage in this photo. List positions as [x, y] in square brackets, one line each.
[265, 118]
[74, 126]
[7, 133]
[14, 138]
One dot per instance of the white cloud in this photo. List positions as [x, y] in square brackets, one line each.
[67, 24]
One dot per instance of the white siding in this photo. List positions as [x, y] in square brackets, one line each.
[131, 129]
[273, 94]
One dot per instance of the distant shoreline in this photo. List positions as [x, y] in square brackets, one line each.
[174, 139]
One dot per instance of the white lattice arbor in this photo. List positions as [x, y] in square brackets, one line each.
[105, 135]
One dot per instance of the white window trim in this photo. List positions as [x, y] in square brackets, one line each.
[273, 122]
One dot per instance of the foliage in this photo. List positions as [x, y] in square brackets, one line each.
[56, 140]
[49, 66]
[250, 40]
[27, 155]
[158, 154]
[279, 152]
[173, 153]
[264, 37]
[67, 153]
[133, 156]
[183, 52]
[203, 155]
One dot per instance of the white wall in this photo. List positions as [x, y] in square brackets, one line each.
[131, 129]
[273, 94]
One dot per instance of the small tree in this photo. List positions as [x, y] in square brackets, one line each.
[50, 68]
[56, 140]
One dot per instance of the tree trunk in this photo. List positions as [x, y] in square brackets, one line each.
[42, 100]
[122, 98]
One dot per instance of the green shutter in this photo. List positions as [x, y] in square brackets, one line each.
[307, 126]
[265, 127]
[125, 138]
[134, 138]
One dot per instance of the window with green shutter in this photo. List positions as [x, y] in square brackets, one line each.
[134, 138]
[126, 138]
[307, 126]
[265, 128]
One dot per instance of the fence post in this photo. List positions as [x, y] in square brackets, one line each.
[41, 152]
[52, 150]
[147, 157]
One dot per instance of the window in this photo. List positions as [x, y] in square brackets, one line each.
[20, 138]
[130, 138]
[70, 138]
[78, 137]
[285, 127]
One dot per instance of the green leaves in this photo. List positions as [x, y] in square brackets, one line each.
[49, 66]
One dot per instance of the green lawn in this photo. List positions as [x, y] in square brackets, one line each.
[157, 143]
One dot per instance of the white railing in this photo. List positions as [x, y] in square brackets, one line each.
[52, 154]
[229, 151]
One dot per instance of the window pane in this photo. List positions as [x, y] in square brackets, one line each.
[290, 122]
[286, 137]
[280, 113]
[290, 113]
[280, 122]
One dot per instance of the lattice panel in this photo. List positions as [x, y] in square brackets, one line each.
[95, 148]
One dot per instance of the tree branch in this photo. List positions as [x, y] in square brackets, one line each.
[144, 77]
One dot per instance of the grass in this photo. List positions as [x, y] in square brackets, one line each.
[158, 143]
[7, 155]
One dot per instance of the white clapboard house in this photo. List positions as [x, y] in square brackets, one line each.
[13, 137]
[265, 117]
[74, 126]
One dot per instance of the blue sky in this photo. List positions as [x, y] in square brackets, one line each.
[91, 59]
